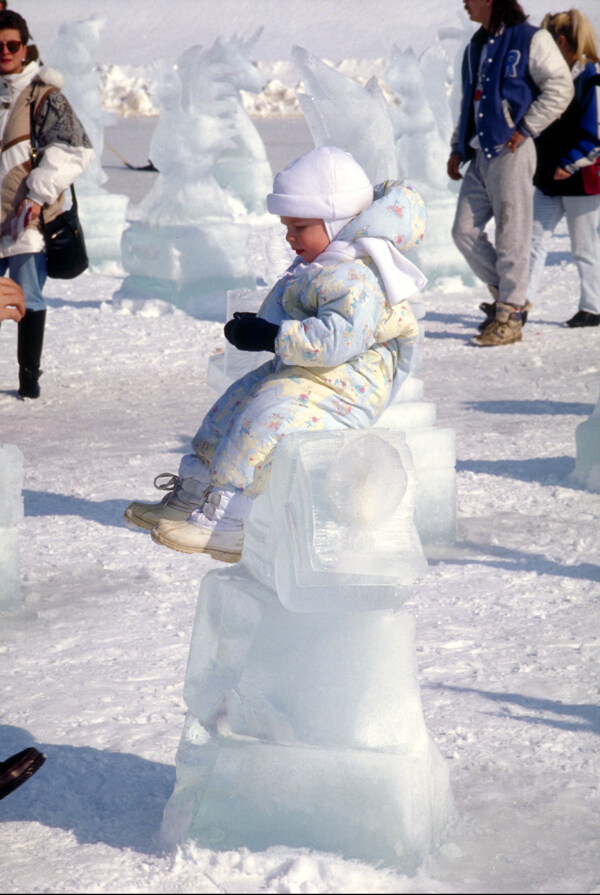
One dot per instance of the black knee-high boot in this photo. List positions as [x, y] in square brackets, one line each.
[30, 340]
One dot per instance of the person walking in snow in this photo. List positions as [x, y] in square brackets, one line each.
[337, 323]
[515, 83]
[64, 152]
[567, 178]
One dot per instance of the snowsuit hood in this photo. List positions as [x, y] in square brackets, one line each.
[392, 225]
[396, 214]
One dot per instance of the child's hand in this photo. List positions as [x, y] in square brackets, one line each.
[250, 333]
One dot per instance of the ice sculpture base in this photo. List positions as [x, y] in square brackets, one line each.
[11, 515]
[587, 460]
[192, 266]
[10, 588]
[103, 219]
[305, 730]
[370, 805]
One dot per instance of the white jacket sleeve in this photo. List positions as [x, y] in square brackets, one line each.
[60, 165]
[64, 148]
[552, 75]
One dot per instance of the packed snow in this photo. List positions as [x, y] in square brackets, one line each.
[92, 666]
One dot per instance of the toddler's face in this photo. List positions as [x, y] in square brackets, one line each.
[307, 236]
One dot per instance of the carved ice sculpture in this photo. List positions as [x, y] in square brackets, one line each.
[196, 236]
[11, 515]
[422, 123]
[103, 215]
[587, 442]
[304, 725]
[407, 139]
[339, 112]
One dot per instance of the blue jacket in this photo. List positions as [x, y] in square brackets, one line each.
[572, 142]
[526, 86]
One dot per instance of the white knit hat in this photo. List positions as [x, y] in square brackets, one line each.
[325, 183]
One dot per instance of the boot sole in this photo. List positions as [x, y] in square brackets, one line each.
[133, 523]
[215, 554]
[494, 344]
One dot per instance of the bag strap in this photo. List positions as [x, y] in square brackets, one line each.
[34, 151]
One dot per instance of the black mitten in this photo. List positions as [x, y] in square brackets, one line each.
[250, 333]
[237, 315]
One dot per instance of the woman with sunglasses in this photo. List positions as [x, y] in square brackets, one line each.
[567, 177]
[64, 152]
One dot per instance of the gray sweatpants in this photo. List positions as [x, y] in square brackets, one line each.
[499, 188]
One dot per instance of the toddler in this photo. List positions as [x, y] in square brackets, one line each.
[337, 323]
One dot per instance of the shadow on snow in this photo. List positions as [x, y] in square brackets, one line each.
[518, 561]
[47, 503]
[109, 797]
[534, 407]
[547, 711]
[545, 470]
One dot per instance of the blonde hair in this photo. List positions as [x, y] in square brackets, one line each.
[577, 30]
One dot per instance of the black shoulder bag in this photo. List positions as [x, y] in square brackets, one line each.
[66, 255]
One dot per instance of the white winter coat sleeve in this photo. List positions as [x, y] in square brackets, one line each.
[64, 147]
[552, 76]
[60, 165]
[347, 311]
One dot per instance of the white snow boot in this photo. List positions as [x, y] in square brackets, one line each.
[186, 493]
[216, 528]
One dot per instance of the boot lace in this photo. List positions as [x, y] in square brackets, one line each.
[171, 484]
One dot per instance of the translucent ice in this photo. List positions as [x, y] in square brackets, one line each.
[339, 112]
[196, 233]
[304, 730]
[230, 363]
[422, 122]
[409, 137]
[335, 528]
[587, 442]
[75, 53]
[11, 514]
[304, 725]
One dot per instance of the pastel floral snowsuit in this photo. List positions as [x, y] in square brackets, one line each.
[337, 353]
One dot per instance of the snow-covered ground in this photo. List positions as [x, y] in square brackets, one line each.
[507, 621]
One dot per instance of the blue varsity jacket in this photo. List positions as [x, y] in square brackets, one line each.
[508, 89]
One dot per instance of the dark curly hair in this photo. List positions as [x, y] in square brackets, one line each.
[10, 19]
[506, 12]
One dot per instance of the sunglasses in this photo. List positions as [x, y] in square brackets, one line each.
[13, 46]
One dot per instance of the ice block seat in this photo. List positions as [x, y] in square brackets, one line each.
[11, 515]
[304, 722]
[587, 457]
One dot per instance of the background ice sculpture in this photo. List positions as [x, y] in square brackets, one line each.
[203, 227]
[304, 724]
[587, 443]
[11, 515]
[423, 126]
[407, 139]
[339, 112]
[103, 215]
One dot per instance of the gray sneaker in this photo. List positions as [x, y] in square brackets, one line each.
[175, 506]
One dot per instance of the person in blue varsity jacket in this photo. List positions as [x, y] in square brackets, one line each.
[567, 178]
[515, 83]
